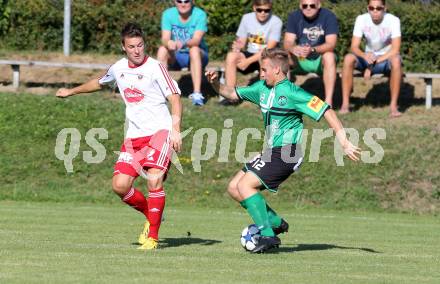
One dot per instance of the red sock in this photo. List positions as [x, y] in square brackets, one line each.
[156, 204]
[137, 200]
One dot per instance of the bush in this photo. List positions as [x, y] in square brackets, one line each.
[223, 17]
[96, 24]
[38, 24]
[4, 16]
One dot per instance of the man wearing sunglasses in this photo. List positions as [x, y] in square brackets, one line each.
[257, 30]
[311, 36]
[381, 31]
[183, 45]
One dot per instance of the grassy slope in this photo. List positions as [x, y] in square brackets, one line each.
[83, 243]
[406, 179]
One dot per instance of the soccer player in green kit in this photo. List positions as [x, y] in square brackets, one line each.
[282, 104]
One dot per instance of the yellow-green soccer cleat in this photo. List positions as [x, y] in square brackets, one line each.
[150, 244]
[144, 235]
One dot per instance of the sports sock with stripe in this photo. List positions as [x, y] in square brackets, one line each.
[136, 200]
[256, 207]
[156, 204]
[274, 219]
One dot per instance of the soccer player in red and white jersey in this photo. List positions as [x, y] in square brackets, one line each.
[145, 86]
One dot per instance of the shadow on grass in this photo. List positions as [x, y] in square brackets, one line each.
[184, 241]
[314, 247]
[177, 242]
[185, 85]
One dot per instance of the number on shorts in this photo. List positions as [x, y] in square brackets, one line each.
[258, 164]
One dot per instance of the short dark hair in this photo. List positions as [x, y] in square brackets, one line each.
[383, 2]
[278, 56]
[131, 30]
[262, 2]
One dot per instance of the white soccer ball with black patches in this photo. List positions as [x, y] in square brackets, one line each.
[249, 237]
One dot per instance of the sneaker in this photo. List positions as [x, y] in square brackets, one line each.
[282, 228]
[197, 99]
[150, 244]
[144, 235]
[266, 243]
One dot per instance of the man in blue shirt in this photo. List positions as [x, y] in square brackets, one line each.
[183, 45]
[311, 35]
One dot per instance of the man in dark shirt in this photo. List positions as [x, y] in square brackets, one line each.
[310, 39]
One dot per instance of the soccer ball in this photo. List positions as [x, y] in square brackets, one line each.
[249, 237]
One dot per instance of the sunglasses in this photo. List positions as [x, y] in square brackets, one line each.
[261, 10]
[183, 1]
[311, 6]
[378, 8]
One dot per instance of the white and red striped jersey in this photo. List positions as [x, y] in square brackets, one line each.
[144, 90]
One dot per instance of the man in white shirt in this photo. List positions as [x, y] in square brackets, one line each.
[381, 31]
[257, 30]
[145, 86]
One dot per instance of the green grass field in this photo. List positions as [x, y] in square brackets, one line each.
[346, 226]
[89, 243]
[407, 178]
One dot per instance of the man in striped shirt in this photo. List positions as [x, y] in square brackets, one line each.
[145, 86]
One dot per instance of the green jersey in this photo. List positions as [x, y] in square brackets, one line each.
[282, 107]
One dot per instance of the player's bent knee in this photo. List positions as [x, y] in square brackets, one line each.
[243, 187]
[120, 185]
[232, 189]
[154, 184]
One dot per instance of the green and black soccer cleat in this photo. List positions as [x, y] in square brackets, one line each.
[282, 228]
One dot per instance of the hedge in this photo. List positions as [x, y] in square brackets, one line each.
[38, 25]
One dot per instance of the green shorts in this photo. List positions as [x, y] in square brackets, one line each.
[306, 66]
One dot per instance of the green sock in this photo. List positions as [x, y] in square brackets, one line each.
[242, 203]
[274, 219]
[256, 207]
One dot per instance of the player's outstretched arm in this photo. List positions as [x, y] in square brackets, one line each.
[90, 86]
[225, 91]
[350, 150]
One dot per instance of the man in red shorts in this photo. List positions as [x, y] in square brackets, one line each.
[145, 86]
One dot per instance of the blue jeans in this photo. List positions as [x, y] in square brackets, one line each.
[379, 68]
[183, 60]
